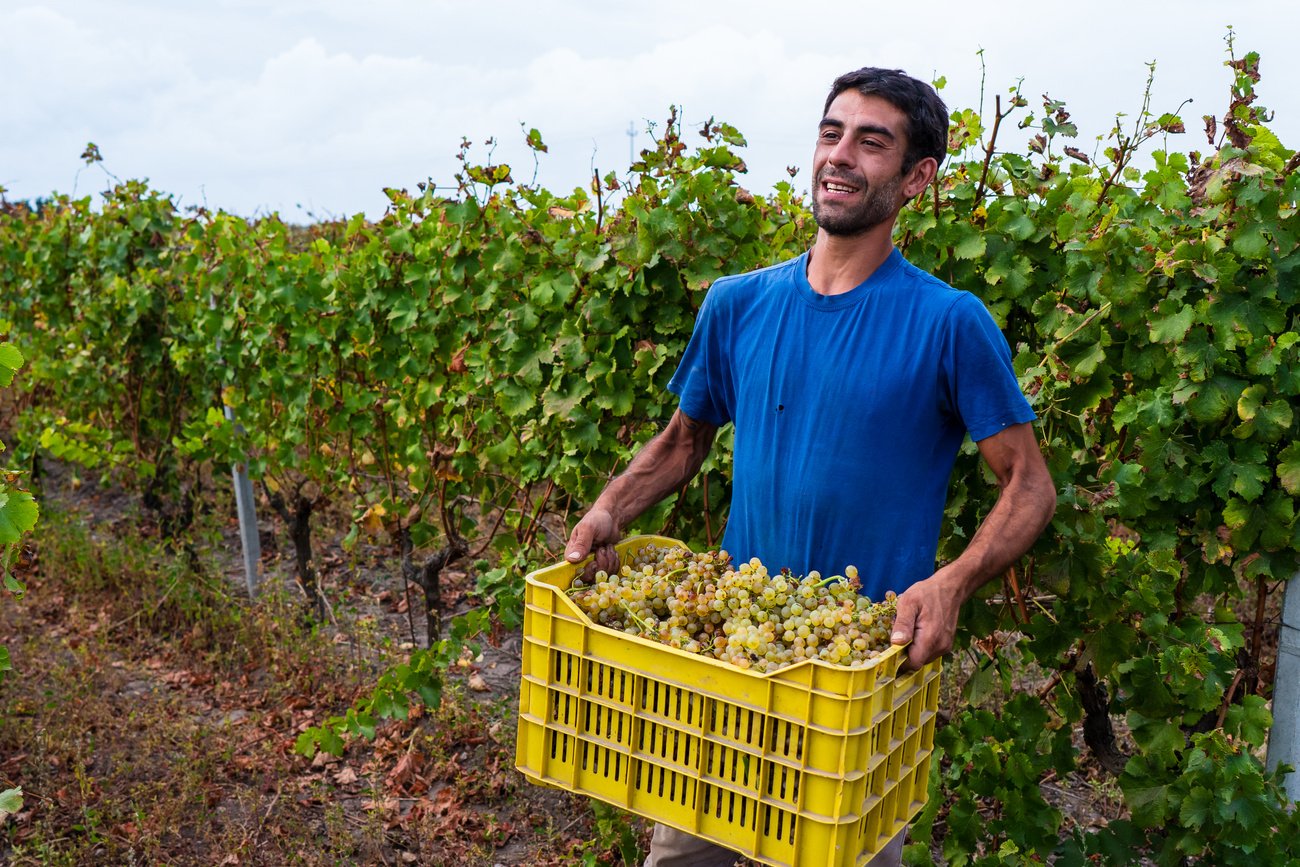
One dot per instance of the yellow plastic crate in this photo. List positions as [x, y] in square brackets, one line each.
[813, 764]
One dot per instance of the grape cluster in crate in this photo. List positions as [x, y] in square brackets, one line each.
[702, 603]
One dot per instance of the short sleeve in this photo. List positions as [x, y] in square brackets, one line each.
[703, 380]
[981, 382]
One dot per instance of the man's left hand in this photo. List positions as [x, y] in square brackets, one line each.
[927, 617]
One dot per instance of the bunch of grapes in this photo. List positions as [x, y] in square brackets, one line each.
[701, 603]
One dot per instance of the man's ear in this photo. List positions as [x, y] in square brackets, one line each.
[919, 177]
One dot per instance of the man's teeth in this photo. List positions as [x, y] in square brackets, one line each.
[838, 188]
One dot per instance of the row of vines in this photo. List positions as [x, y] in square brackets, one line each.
[18, 514]
[464, 374]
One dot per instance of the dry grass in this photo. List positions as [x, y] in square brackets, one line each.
[152, 712]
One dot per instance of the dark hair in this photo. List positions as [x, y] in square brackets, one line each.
[927, 116]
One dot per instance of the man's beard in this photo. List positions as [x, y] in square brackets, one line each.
[878, 205]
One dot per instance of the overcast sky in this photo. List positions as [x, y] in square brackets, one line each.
[312, 108]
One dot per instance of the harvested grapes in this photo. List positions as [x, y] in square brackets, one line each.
[702, 603]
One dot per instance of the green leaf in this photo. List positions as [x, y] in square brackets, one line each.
[981, 684]
[11, 358]
[971, 245]
[501, 452]
[1251, 720]
[1213, 401]
[563, 400]
[391, 705]
[592, 260]
[1243, 471]
[534, 141]
[1251, 242]
[1249, 812]
[11, 801]
[330, 741]
[1198, 807]
[362, 723]
[1020, 227]
[1084, 360]
[307, 743]
[1274, 419]
[1150, 804]
[1173, 326]
[514, 399]
[18, 514]
[1161, 738]
[430, 692]
[1248, 481]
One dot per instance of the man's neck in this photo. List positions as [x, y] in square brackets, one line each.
[839, 263]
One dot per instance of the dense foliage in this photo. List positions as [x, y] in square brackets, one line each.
[466, 372]
[18, 513]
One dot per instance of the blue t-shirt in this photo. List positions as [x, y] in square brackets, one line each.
[849, 411]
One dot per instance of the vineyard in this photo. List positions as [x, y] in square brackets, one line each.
[425, 403]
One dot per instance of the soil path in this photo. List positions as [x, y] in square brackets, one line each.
[152, 713]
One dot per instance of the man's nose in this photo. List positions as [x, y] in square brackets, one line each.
[841, 153]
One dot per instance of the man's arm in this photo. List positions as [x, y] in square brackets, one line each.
[662, 466]
[927, 611]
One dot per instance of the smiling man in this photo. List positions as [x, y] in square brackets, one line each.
[851, 378]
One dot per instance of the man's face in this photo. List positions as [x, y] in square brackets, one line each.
[857, 165]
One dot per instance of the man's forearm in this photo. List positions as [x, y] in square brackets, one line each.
[661, 467]
[1023, 509]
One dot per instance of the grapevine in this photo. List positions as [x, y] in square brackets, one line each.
[744, 615]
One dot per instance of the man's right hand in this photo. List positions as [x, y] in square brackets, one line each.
[598, 532]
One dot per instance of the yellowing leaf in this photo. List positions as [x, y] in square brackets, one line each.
[1288, 469]
[372, 521]
[1249, 402]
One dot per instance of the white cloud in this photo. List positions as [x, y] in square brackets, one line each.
[264, 105]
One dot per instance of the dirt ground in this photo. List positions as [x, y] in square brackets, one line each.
[152, 712]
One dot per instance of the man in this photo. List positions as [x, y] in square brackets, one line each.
[851, 378]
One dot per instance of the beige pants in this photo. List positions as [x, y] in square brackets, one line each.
[672, 848]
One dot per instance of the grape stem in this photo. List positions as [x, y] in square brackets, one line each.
[645, 627]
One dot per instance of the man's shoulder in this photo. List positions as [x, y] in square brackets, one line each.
[959, 310]
[919, 278]
[927, 288]
[749, 283]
